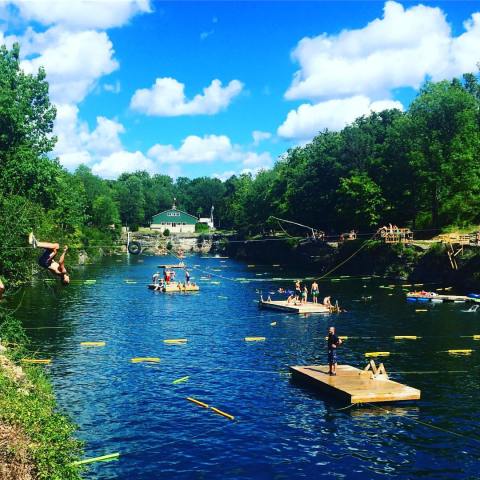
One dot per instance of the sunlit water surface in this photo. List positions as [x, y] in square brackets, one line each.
[281, 430]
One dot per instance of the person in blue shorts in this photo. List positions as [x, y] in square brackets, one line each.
[47, 258]
[333, 343]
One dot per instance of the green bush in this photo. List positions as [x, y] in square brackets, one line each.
[166, 232]
[201, 228]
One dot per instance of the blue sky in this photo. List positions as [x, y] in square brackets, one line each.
[216, 88]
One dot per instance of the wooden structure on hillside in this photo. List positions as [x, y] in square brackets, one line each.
[455, 243]
[353, 386]
[394, 234]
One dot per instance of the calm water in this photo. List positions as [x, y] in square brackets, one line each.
[282, 431]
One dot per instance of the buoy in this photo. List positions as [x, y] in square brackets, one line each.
[92, 344]
[223, 297]
[250, 266]
[377, 354]
[421, 310]
[273, 324]
[103, 458]
[145, 360]
[181, 380]
[405, 337]
[37, 361]
[174, 341]
[275, 265]
[197, 402]
[215, 283]
[460, 352]
[255, 339]
[476, 337]
[223, 414]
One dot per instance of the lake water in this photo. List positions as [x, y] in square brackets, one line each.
[281, 430]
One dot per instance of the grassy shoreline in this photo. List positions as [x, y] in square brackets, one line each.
[36, 440]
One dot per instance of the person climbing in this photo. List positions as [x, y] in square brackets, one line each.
[333, 342]
[155, 278]
[187, 277]
[327, 301]
[314, 291]
[47, 258]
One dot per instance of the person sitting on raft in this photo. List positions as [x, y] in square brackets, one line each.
[327, 302]
[47, 258]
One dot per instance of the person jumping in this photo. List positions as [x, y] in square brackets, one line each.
[47, 258]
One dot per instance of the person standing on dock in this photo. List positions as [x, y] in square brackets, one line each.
[314, 291]
[298, 290]
[305, 294]
[333, 343]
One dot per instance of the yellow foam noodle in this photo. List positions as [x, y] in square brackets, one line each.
[37, 361]
[145, 360]
[223, 414]
[92, 344]
[255, 339]
[175, 341]
[275, 265]
[250, 266]
[405, 337]
[197, 402]
[421, 310]
[377, 354]
[341, 337]
[460, 352]
[103, 458]
[476, 337]
[181, 380]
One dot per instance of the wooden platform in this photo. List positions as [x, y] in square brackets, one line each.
[353, 385]
[283, 306]
[176, 287]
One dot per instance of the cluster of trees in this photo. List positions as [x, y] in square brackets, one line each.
[419, 168]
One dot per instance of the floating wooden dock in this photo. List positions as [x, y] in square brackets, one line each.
[291, 307]
[437, 298]
[353, 385]
[175, 287]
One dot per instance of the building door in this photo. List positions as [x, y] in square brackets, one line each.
[174, 225]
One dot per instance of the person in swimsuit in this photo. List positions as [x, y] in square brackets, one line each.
[298, 290]
[314, 292]
[155, 278]
[47, 258]
[305, 294]
[187, 277]
[2, 288]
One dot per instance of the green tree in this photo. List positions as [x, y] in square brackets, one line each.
[105, 212]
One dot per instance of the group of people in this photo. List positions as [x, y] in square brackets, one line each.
[168, 277]
[300, 295]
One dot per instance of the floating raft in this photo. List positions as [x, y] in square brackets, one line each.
[418, 297]
[283, 306]
[176, 287]
[353, 385]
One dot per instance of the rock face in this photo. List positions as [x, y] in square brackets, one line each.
[156, 244]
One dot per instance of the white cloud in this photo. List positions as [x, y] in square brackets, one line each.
[259, 136]
[307, 120]
[77, 144]
[209, 149]
[113, 87]
[205, 35]
[167, 98]
[398, 50]
[81, 14]
[74, 61]
[225, 175]
[123, 161]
